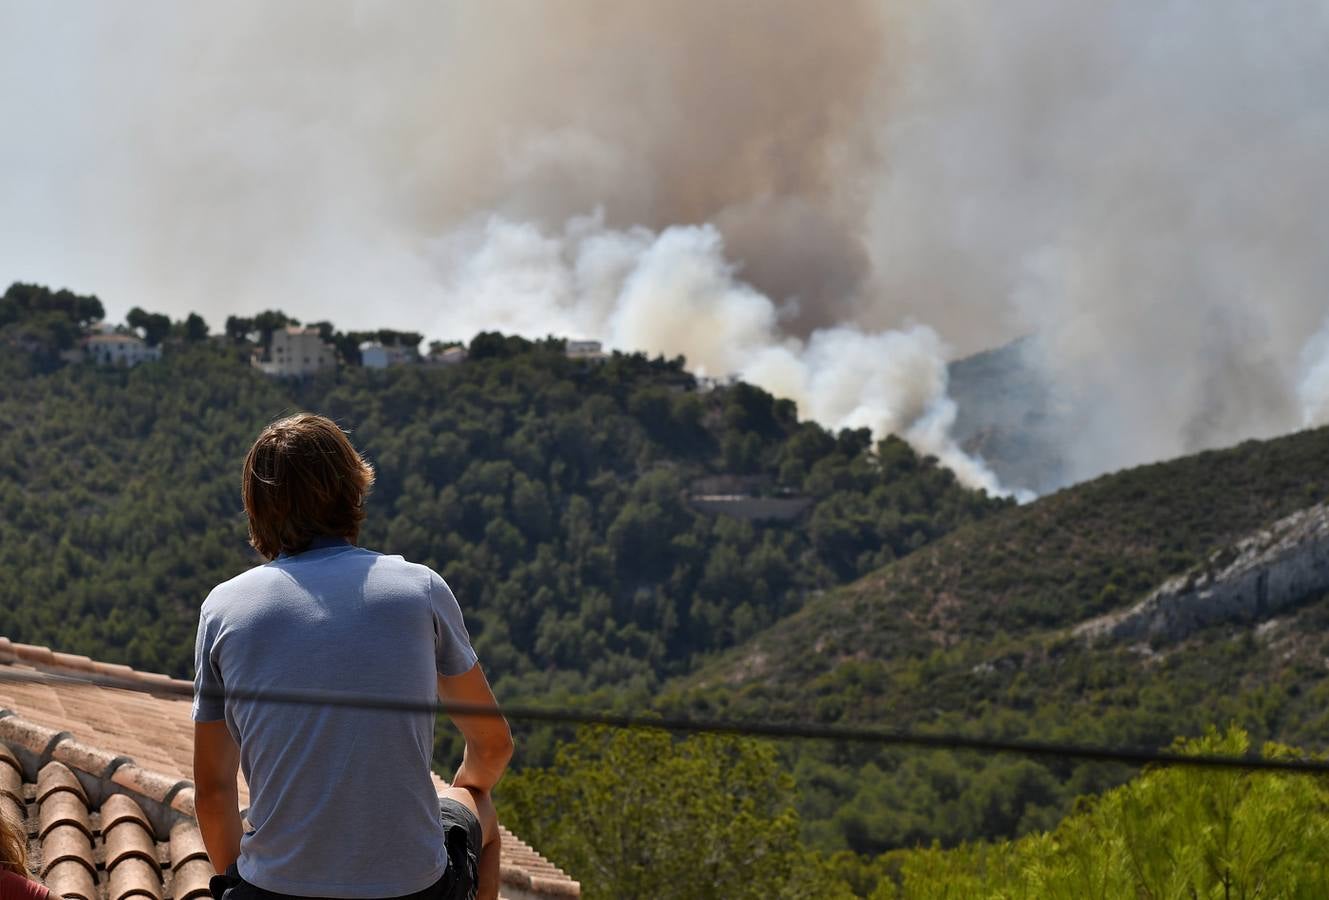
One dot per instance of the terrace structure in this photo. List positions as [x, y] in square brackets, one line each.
[99, 775]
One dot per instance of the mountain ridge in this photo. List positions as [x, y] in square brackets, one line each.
[972, 634]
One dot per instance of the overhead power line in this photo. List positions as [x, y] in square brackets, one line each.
[1135, 756]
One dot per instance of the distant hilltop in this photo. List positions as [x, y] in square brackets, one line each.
[54, 328]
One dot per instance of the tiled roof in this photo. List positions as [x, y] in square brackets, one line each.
[100, 775]
[113, 339]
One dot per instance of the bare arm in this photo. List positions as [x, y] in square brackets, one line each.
[216, 797]
[488, 738]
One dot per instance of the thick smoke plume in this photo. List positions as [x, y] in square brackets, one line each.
[675, 291]
[828, 200]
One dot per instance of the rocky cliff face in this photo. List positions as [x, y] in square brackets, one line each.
[1248, 582]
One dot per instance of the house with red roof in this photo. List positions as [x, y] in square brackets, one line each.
[95, 760]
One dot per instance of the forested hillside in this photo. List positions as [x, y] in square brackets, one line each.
[973, 635]
[553, 495]
[1168, 833]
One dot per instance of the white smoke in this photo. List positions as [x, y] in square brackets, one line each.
[1140, 184]
[675, 293]
[1313, 389]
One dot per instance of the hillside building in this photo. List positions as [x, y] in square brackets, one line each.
[110, 349]
[708, 383]
[374, 355]
[447, 356]
[590, 350]
[296, 352]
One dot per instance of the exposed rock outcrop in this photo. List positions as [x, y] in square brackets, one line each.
[1248, 582]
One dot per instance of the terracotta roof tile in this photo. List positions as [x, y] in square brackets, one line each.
[133, 877]
[31, 736]
[130, 839]
[11, 776]
[30, 653]
[78, 755]
[63, 809]
[149, 784]
[67, 843]
[139, 747]
[183, 802]
[56, 777]
[191, 880]
[118, 808]
[71, 879]
[72, 661]
[186, 844]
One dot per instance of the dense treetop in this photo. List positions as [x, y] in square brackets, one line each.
[554, 495]
[37, 323]
[971, 635]
[551, 493]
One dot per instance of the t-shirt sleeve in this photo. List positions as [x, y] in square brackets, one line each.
[452, 645]
[16, 886]
[209, 705]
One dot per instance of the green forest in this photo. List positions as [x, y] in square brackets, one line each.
[971, 636]
[715, 817]
[550, 493]
[555, 496]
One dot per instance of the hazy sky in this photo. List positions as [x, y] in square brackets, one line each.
[829, 204]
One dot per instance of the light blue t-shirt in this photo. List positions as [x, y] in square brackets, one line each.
[341, 801]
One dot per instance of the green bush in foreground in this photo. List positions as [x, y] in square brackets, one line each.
[638, 814]
[641, 814]
[1170, 833]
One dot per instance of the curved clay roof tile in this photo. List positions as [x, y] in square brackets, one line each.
[186, 844]
[71, 878]
[134, 877]
[119, 808]
[130, 841]
[11, 776]
[191, 879]
[56, 776]
[63, 809]
[67, 843]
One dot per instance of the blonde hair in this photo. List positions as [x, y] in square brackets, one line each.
[13, 845]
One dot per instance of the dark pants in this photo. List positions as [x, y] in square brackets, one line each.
[461, 831]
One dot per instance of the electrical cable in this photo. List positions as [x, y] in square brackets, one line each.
[1135, 756]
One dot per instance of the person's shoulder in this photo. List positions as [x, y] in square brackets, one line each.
[403, 565]
[15, 886]
[240, 586]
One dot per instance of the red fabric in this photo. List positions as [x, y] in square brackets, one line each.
[15, 887]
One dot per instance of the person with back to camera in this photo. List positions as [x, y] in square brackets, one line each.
[341, 799]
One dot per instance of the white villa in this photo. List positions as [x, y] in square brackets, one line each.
[297, 351]
[110, 349]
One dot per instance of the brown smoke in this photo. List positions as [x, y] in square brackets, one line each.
[276, 122]
[748, 115]
[1139, 184]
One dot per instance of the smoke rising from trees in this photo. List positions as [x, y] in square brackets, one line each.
[829, 202]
